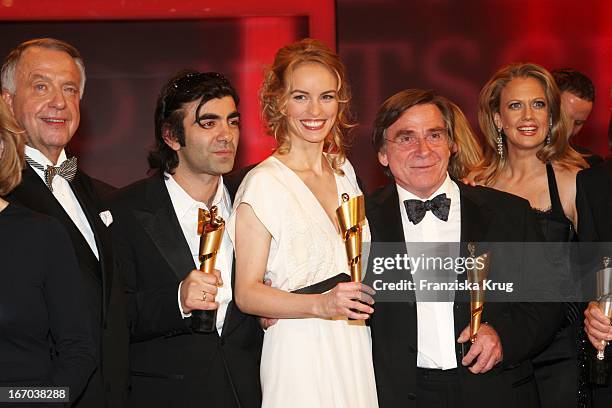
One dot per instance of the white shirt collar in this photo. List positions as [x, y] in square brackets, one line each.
[40, 158]
[183, 202]
[447, 188]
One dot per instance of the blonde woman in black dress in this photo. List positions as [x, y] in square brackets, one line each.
[526, 153]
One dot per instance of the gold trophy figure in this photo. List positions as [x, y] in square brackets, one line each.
[351, 218]
[604, 295]
[210, 229]
[477, 275]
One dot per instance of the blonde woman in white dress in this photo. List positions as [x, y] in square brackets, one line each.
[285, 230]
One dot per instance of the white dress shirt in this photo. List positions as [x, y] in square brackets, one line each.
[65, 196]
[186, 209]
[435, 320]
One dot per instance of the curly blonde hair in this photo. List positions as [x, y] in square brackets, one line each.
[558, 151]
[276, 90]
[12, 138]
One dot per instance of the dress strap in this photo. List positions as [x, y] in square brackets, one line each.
[553, 191]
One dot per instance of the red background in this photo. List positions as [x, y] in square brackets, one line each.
[132, 47]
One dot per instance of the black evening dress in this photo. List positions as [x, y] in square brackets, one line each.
[45, 332]
[560, 369]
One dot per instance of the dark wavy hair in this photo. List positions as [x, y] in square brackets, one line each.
[574, 82]
[184, 87]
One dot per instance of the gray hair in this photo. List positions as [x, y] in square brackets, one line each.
[7, 75]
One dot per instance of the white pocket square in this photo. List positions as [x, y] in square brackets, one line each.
[107, 217]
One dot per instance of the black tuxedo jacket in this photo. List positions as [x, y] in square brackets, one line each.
[97, 274]
[594, 202]
[170, 365]
[524, 328]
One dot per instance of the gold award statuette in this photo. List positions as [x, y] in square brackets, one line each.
[476, 276]
[210, 229]
[604, 295]
[351, 218]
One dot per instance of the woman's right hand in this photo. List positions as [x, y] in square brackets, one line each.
[350, 299]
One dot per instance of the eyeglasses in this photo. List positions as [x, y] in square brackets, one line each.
[405, 140]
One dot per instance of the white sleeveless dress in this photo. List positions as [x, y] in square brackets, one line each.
[307, 362]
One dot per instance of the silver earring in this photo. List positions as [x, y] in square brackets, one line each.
[500, 143]
[549, 135]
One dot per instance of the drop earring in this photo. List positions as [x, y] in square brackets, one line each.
[500, 143]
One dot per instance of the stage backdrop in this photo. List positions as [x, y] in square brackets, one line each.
[132, 47]
[454, 47]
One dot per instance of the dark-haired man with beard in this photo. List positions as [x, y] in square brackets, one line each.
[196, 135]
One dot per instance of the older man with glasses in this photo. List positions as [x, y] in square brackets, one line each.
[423, 140]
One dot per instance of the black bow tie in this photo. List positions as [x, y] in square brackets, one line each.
[439, 206]
[66, 170]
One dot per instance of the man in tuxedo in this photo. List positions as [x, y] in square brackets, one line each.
[593, 203]
[577, 99]
[42, 82]
[196, 135]
[420, 137]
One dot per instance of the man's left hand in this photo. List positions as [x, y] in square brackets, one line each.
[486, 350]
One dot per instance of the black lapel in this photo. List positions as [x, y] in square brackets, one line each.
[384, 216]
[233, 317]
[34, 194]
[475, 218]
[159, 221]
[475, 222]
[91, 208]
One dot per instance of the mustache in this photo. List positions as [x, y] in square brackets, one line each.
[224, 146]
[219, 146]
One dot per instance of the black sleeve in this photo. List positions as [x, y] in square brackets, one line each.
[152, 312]
[69, 321]
[527, 329]
[586, 225]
